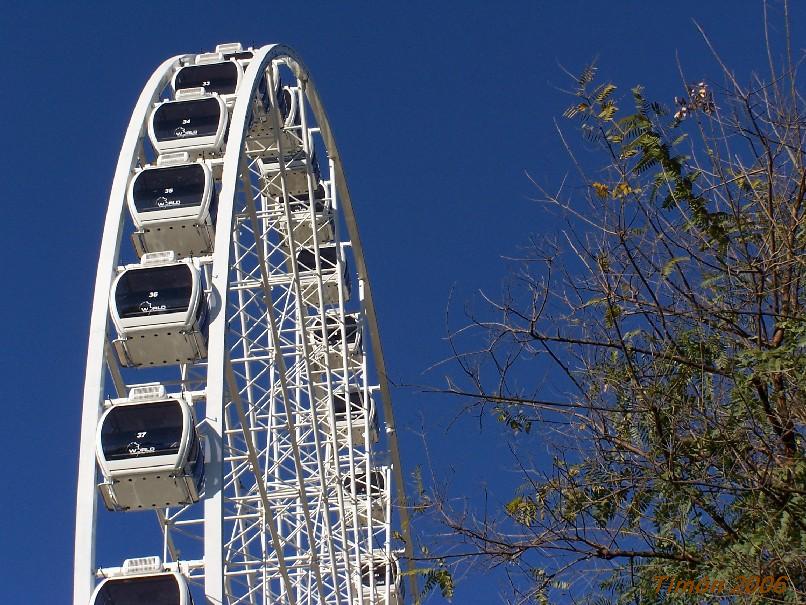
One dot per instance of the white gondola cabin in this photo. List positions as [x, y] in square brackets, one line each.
[297, 169]
[195, 122]
[173, 206]
[235, 51]
[160, 312]
[149, 452]
[332, 342]
[377, 488]
[353, 417]
[303, 221]
[334, 272]
[213, 73]
[381, 575]
[156, 588]
[263, 140]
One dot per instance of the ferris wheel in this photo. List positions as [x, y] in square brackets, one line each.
[235, 386]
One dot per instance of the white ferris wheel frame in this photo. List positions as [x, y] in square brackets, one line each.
[220, 380]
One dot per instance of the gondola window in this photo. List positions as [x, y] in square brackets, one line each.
[180, 120]
[154, 291]
[131, 431]
[158, 590]
[167, 188]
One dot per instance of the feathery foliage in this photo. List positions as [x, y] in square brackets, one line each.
[675, 314]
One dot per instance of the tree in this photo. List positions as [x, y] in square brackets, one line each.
[673, 308]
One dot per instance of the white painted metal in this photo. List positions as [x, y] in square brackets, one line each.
[209, 61]
[172, 222]
[143, 479]
[155, 337]
[188, 138]
[285, 516]
[86, 499]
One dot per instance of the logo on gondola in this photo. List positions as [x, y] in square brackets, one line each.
[163, 201]
[182, 132]
[148, 307]
[135, 449]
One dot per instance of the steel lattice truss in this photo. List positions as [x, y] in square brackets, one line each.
[298, 504]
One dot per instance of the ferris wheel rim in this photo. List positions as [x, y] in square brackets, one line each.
[86, 507]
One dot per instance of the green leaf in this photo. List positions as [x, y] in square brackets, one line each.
[670, 265]
[607, 112]
[603, 92]
[587, 75]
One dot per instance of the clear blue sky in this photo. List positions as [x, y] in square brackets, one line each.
[438, 108]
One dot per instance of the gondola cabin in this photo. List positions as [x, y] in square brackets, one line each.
[149, 452]
[334, 273]
[297, 169]
[380, 580]
[160, 312]
[263, 141]
[173, 206]
[336, 342]
[195, 122]
[375, 486]
[144, 588]
[354, 417]
[303, 220]
[213, 73]
[235, 51]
